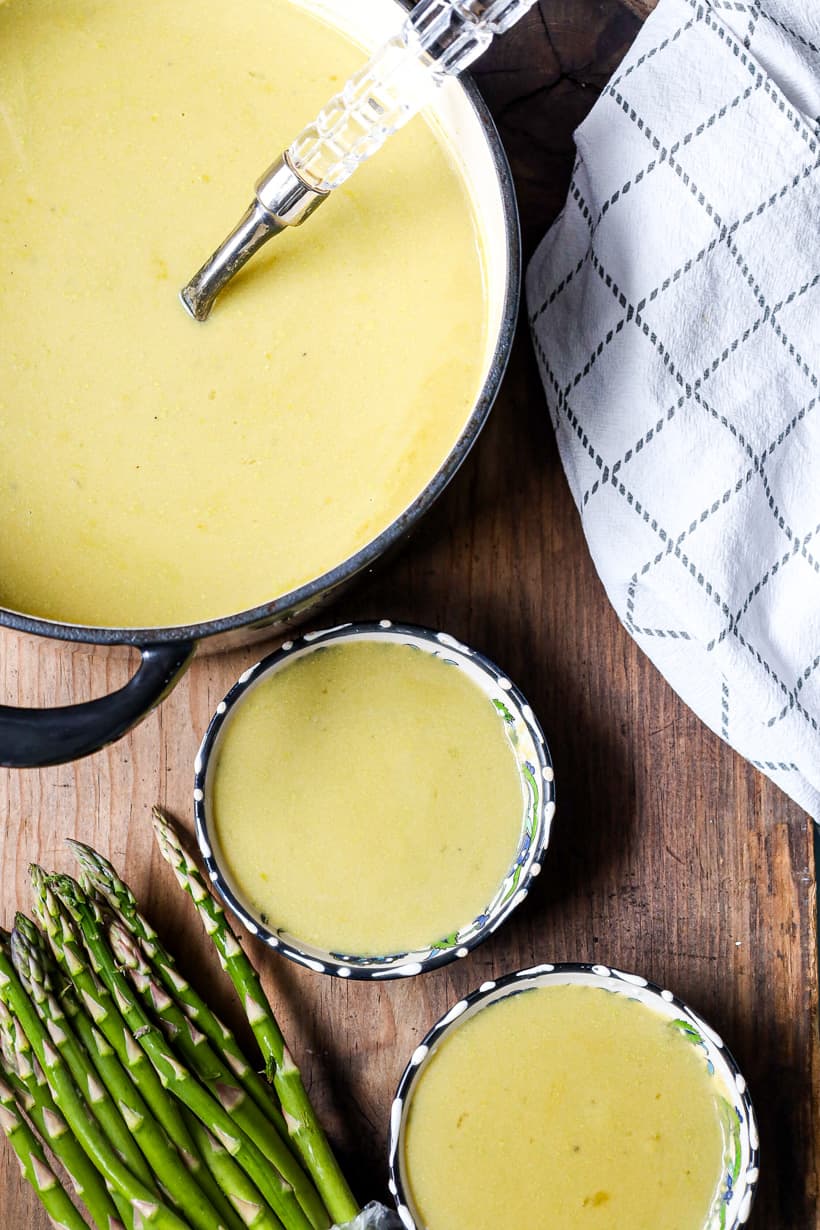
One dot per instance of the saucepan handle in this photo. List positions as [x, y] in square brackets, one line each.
[33, 738]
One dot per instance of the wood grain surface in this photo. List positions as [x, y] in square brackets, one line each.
[670, 855]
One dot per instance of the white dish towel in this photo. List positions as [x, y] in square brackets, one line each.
[675, 309]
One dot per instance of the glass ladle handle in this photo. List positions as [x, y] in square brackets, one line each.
[439, 38]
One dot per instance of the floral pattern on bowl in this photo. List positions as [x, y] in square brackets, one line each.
[532, 755]
[741, 1158]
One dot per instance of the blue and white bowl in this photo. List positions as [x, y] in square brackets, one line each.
[535, 766]
[733, 1201]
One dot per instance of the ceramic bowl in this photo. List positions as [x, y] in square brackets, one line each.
[733, 1202]
[535, 766]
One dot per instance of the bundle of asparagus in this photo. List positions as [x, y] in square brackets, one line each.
[111, 1062]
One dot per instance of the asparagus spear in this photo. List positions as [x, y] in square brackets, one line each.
[205, 1062]
[27, 1079]
[173, 1075]
[204, 1210]
[188, 1039]
[160, 1153]
[98, 1002]
[242, 1192]
[176, 1011]
[35, 1098]
[34, 1165]
[101, 877]
[105, 1111]
[304, 1127]
[147, 1211]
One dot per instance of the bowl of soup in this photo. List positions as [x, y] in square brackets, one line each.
[170, 485]
[374, 800]
[575, 1096]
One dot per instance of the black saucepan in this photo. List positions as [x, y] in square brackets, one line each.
[33, 737]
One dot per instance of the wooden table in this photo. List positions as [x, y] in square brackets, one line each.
[670, 856]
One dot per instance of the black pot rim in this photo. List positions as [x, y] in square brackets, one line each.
[287, 606]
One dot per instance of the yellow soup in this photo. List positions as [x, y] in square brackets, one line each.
[366, 798]
[565, 1108]
[157, 471]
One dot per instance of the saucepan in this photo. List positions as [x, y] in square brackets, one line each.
[35, 737]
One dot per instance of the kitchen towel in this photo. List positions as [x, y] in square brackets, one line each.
[675, 310]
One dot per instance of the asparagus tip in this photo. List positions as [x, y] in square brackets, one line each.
[81, 849]
[37, 874]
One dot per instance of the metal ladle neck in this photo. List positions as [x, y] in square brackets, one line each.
[283, 198]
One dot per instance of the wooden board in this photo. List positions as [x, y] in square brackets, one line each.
[670, 855]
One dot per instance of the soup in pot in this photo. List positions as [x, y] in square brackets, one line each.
[156, 471]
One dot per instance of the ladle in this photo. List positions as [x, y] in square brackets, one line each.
[439, 38]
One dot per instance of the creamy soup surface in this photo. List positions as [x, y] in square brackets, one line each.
[565, 1108]
[155, 471]
[366, 798]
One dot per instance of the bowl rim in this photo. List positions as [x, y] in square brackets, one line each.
[295, 603]
[529, 856]
[742, 1190]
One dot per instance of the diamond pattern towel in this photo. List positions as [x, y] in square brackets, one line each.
[675, 309]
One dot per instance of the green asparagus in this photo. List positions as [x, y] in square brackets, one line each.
[173, 1075]
[100, 877]
[240, 1189]
[207, 1065]
[158, 1150]
[303, 1125]
[34, 1165]
[99, 1004]
[25, 1076]
[146, 1210]
[133, 1082]
[109, 1116]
